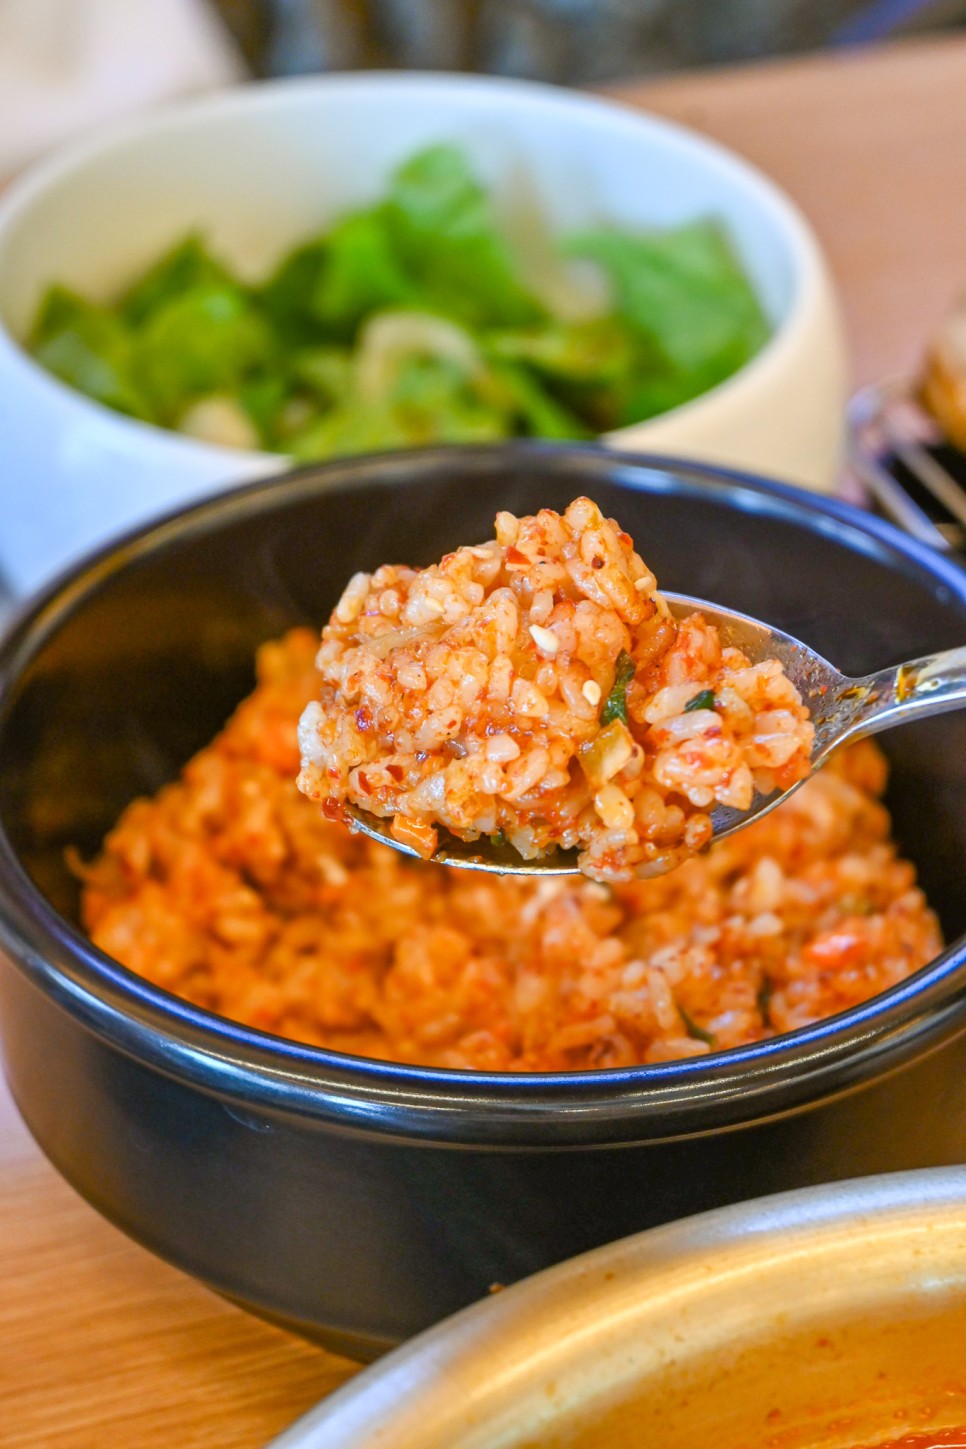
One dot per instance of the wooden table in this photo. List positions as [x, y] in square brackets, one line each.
[101, 1343]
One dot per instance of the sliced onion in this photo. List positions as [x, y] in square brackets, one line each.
[390, 338]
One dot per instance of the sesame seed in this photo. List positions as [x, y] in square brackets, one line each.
[591, 692]
[434, 606]
[641, 584]
[544, 639]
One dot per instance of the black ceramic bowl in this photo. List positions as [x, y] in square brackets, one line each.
[357, 1201]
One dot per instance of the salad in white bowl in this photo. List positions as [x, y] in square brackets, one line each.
[302, 270]
[412, 321]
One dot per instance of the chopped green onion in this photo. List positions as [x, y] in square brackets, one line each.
[607, 753]
[704, 700]
[615, 705]
[857, 906]
[696, 1032]
[763, 1000]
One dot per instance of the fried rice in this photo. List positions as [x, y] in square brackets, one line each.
[231, 889]
[536, 689]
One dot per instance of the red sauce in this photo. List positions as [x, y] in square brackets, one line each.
[931, 1439]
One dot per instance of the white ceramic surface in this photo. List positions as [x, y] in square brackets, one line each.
[263, 166]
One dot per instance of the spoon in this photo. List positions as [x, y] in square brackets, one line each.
[841, 709]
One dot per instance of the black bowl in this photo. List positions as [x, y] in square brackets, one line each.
[357, 1201]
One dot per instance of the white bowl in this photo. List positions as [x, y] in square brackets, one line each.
[261, 167]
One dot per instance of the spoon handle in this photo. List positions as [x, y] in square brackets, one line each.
[921, 687]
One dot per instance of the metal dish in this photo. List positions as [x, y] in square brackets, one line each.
[833, 1317]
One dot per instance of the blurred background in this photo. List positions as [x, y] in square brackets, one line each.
[566, 41]
[69, 64]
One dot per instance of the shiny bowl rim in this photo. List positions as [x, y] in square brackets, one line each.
[271, 1074]
[485, 1362]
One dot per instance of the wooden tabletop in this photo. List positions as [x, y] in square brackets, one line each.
[99, 1342]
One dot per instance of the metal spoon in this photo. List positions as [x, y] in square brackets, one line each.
[841, 709]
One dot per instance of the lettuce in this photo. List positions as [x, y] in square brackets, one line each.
[440, 223]
[283, 298]
[208, 339]
[428, 401]
[537, 414]
[408, 322]
[598, 351]
[324, 372]
[684, 292]
[360, 274]
[88, 347]
[187, 265]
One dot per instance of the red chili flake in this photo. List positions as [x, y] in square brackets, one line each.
[334, 810]
[516, 558]
[364, 782]
[396, 771]
[596, 563]
[836, 949]
[625, 540]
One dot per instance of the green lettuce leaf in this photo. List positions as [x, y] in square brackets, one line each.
[685, 291]
[207, 340]
[649, 393]
[187, 265]
[444, 234]
[430, 402]
[598, 351]
[323, 371]
[361, 274]
[264, 399]
[436, 403]
[536, 413]
[88, 347]
[285, 297]
[346, 430]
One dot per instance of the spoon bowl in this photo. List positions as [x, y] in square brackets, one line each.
[841, 709]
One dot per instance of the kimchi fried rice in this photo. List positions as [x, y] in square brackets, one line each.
[230, 888]
[537, 689]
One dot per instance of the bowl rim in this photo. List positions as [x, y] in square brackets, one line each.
[635, 1299]
[44, 177]
[677, 1099]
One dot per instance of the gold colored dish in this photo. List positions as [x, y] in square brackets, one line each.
[823, 1319]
